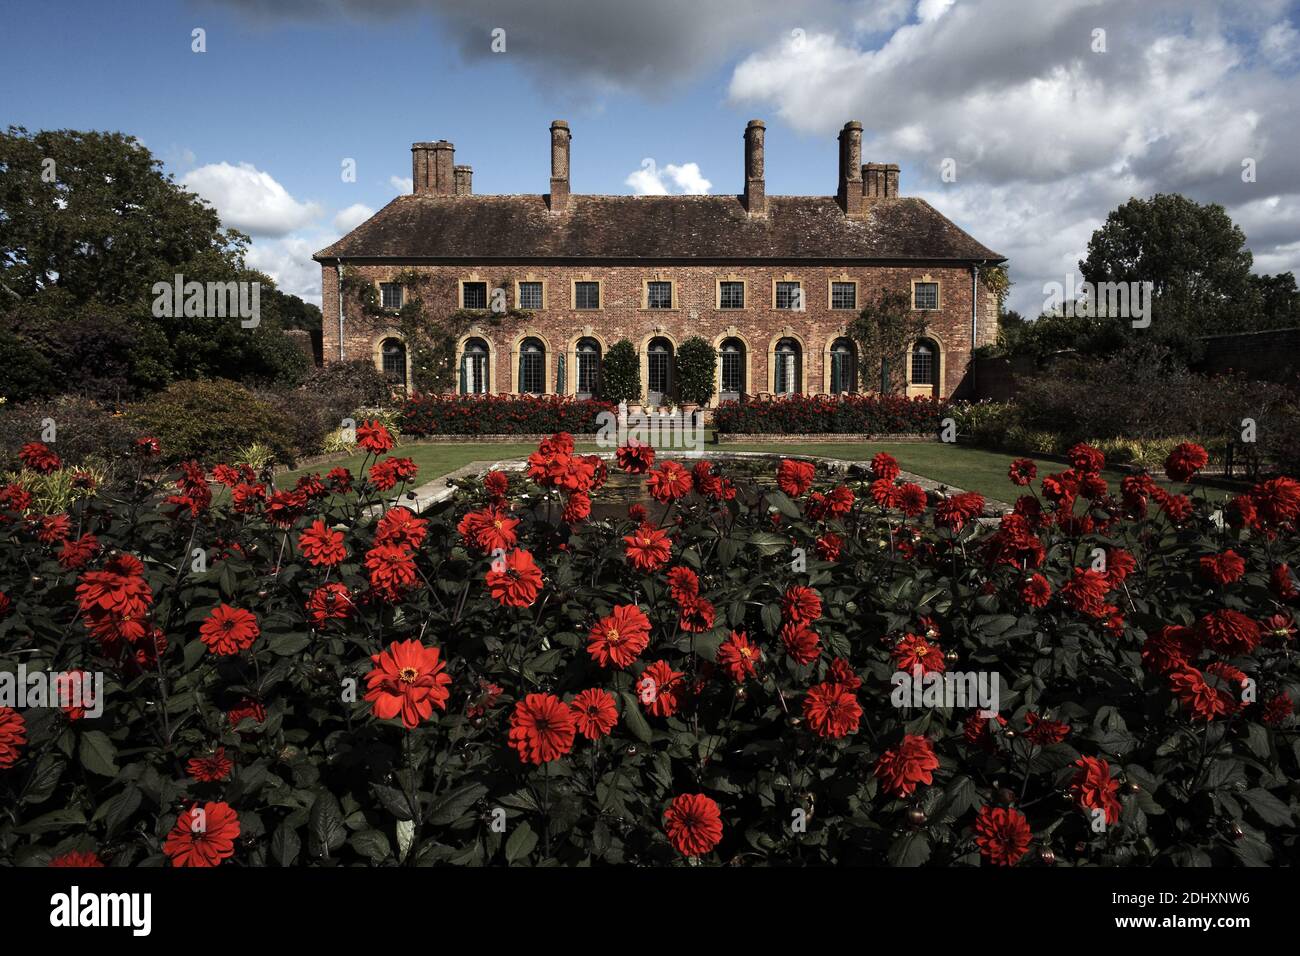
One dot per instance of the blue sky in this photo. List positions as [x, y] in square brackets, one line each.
[1047, 132]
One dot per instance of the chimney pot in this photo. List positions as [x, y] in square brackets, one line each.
[560, 137]
[850, 189]
[464, 176]
[880, 181]
[431, 168]
[755, 187]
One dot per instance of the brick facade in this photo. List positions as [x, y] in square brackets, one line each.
[378, 252]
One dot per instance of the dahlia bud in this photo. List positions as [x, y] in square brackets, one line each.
[916, 817]
[1006, 795]
[951, 657]
[1047, 856]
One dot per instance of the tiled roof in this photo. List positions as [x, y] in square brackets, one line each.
[654, 227]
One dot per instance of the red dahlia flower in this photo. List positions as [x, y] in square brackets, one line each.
[594, 713]
[697, 615]
[901, 769]
[541, 728]
[496, 483]
[374, 438]
[1044, 732]
[330, 602]
[801, 643]
[832, 710]
[648, 548]
[738, 657]
[203, 837]
[400, 526]
[1223, 568]
[322, 545]
[1022, 472]
[13, 734]
[619, 638]
[885, 466]
[392, 570]
[39, 457]
[229, 630]
[636, 458]
[669, 482]
[913, 651]
[1228, 631]
[210, 769]
[795, 477]
[683, 583]
[489, 530]
[1093, 788]
[407, 680]
[1036, 592]
[1184, 461]
[515, 580]
[693, 823]
[801, 605]
[658, 687]
[1002, 834]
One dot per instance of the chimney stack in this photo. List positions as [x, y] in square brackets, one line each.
[850, 186]
[755, 189]
[431, 168]
[560, 137]
[464, 180]
[880, 181]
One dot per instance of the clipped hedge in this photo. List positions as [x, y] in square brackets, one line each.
[500, 415]
[814, 415]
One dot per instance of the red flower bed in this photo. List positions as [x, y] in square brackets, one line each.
[832, 672]
[500, 415]
[852, 414]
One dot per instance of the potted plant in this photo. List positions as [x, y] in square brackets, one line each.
[620, 376]
[696, 365]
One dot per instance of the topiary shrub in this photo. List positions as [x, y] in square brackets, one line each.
[210, 420]
[696, 367]
[620, 374]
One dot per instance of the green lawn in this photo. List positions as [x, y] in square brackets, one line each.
[972, 469]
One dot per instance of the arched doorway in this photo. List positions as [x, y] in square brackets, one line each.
[787, 371]
[532, 367]
[733, 369]
[474, 368]
[392, 362]
[588, 359]
[844, 367]
[659, 371]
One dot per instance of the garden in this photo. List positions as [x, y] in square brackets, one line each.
[798, 667]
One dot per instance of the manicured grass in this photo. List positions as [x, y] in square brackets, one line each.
[972, 469]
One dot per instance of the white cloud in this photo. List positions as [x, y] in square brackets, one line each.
[348, 219]
[1280, 44]
[250, 200]
[654, 180]
[928, 10]
[288, 261]
[1049, 136]
[403, 186]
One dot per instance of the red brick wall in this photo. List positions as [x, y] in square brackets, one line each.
[759, 325]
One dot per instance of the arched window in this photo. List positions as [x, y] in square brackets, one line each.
[659, 371]
[532, 367]
[588, 354]
[733, 369]
[392, 357]
[924, 361]
[474, 368]
[844, 367]
[786, 381]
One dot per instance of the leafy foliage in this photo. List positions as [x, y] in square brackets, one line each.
[886, 330]
[620, 374]
[205, 419]
[433, 414]
[696, 371]
[852, 414]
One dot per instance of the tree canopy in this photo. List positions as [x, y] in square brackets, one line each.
[89, 222]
